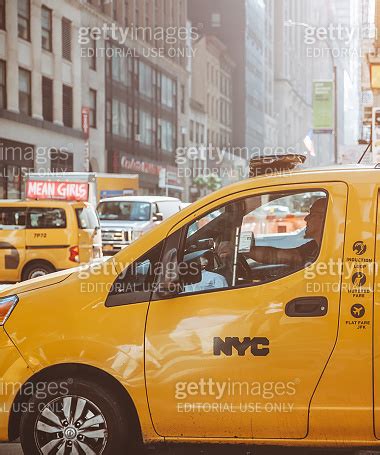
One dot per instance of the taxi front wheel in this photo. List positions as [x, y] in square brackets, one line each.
[74, 417]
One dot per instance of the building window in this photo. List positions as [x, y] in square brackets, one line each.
[167, 136]
[93, 55]
[115, 117]
[191, 130]
[216, 20]
[145, 80]
[92, 108]
[66, 39]
[47, 29]
[114, 9]
[182, 99]
[147, 23]
[109, 117]
[3, 87]
[126, 12]
[61, 161]
[67, 105]
[23, 19]
[168, 92]
[2, 14]
[137, 14]
[146, 129]
[47, 99]
[24, 92]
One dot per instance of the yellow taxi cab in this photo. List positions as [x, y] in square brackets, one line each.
[41, 237]
[209, 328]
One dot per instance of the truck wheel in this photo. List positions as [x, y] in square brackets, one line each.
[77, 417]
[36, 269]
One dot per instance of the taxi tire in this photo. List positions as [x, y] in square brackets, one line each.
[119, 439]
[29, 268]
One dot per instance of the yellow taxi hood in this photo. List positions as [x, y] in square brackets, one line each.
[36, 283]
[105, 265]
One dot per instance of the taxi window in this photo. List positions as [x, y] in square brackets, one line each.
[46, 218]
[256, 240]
[136, 283]
[12, 217]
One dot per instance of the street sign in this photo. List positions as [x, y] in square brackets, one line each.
[323, 106]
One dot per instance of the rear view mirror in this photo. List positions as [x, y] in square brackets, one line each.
[158, 217]
[202, 244]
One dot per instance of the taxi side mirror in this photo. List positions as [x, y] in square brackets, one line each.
[158, 217]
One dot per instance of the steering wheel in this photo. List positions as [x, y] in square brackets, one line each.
[244, 271]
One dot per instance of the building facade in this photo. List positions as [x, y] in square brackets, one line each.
[40, 90]
[210, 121]
[107, 64]
[240, 26]
[145, 90]
[293, 73]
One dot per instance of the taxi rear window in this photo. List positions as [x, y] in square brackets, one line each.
[46, 218]
[12, 216]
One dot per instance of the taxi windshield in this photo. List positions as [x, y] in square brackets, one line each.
[124, 211]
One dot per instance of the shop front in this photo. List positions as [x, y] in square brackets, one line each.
[16, 160]
[151, 180]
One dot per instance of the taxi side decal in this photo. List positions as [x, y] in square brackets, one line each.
[12, 260]
[256, 344]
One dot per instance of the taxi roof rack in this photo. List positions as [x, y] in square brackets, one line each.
[277, 162]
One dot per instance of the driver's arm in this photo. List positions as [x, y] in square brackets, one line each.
[271, 255]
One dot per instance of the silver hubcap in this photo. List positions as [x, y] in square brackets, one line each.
[37, 273]
[71, 425]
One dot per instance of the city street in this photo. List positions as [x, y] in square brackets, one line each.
[15, 449]
[189, 226]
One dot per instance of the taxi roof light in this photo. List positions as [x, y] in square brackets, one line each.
[274, 163]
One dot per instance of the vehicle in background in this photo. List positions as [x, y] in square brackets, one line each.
[125, 219]
[80, 186]
[40, 237]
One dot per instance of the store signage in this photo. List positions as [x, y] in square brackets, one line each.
[68, 191]
[167, 176]
[139, 166]
[86, 121]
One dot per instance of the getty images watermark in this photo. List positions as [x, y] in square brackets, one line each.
[339, 40]
[168, 41]
[208, 395]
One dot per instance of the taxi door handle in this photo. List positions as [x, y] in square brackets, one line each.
[307, 307]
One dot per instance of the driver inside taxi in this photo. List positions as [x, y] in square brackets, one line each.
[302, 255]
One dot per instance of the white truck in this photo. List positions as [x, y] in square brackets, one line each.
[124, 219]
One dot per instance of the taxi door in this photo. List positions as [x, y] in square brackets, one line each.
[244, 362]
[89, 234]
[376, 328]
[49, 234]
[12, 243]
